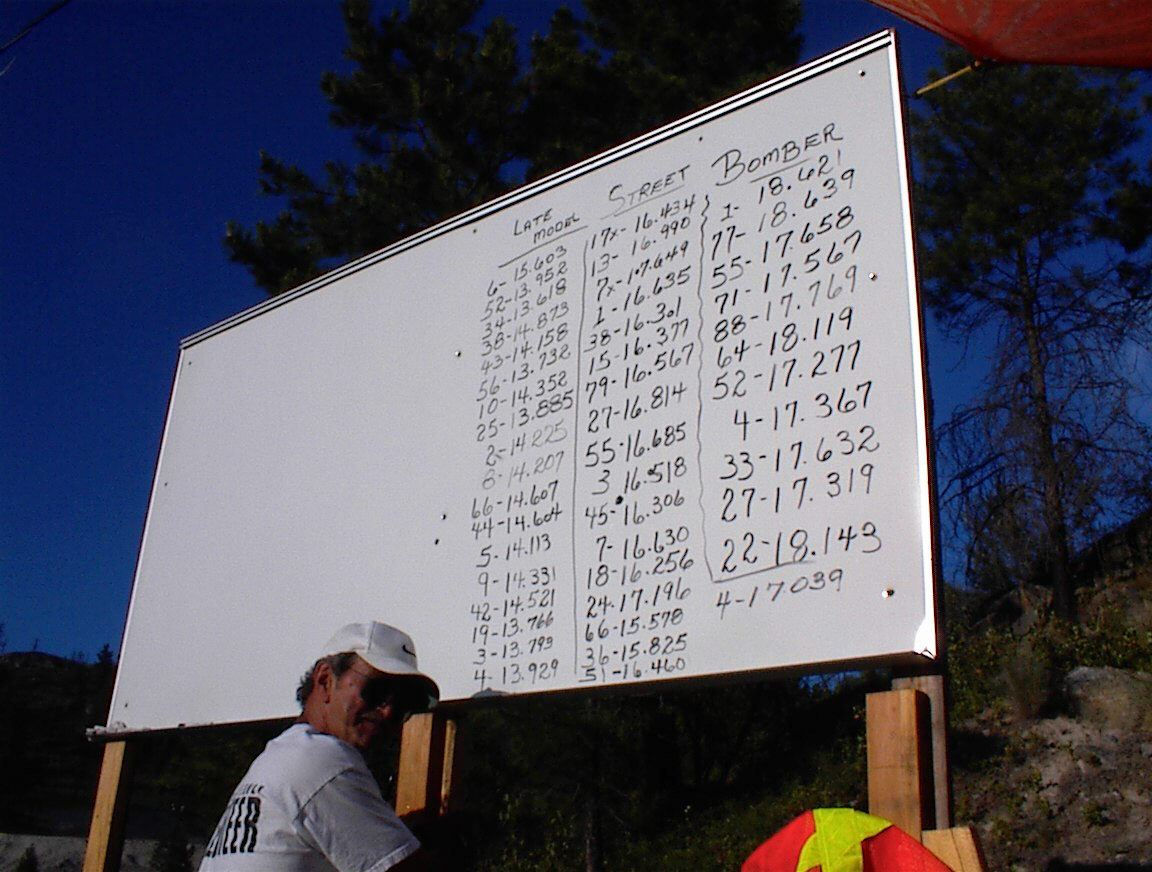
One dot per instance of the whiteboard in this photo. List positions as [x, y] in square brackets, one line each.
[659, 416]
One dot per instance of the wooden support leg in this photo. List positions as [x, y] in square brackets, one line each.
[958, 847]
[899, 762]
[933, 687]
[424, 779]
[106, 835]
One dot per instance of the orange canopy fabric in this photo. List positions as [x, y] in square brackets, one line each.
[841, 840]
[1109, 33]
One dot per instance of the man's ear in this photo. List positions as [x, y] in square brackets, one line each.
[323, 680]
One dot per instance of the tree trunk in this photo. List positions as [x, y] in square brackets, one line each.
[1057, 556]
[591, 788]
[593, 852]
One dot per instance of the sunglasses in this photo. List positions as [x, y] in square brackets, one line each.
[383, 690]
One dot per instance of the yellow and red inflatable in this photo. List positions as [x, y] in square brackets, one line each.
[842, 840]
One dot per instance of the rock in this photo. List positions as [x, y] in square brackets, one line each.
[1116, 699]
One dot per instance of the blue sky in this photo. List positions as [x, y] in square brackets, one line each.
[129, 135]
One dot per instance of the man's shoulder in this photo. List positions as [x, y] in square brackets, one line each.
[307, 753]
[307, 740]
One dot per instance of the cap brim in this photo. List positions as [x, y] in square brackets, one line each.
[426, 687]
[404, 673]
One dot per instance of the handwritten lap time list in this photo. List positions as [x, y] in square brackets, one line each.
[698, 404]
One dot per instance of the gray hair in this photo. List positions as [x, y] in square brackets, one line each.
[338, 663]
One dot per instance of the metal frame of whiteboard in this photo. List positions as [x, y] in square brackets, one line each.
[326, 455]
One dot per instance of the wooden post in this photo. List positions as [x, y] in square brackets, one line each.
[106, 835]
[899, 763]
[958, 847]
[933, 687]
[424, 776]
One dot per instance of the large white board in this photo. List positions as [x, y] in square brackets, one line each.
[658, 416]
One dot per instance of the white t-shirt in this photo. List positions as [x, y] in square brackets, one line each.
[308, 804]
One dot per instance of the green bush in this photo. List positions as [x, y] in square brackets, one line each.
[976, 662]
[993, 668]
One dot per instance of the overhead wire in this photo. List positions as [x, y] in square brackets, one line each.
[34, 23]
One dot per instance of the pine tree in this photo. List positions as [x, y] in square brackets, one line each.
[446, 116]
[1021, 174]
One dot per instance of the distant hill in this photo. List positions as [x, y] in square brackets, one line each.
[50, 767]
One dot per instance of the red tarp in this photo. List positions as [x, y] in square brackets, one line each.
[1110, 33]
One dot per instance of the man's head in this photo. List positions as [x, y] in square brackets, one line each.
[365, 681]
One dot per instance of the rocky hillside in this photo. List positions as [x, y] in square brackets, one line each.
[1065, 792]
[1056, 772]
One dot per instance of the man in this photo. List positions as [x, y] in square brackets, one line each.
[309, 803]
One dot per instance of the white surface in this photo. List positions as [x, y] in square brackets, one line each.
[338, 454]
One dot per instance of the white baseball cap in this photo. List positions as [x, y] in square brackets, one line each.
[385, 648]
